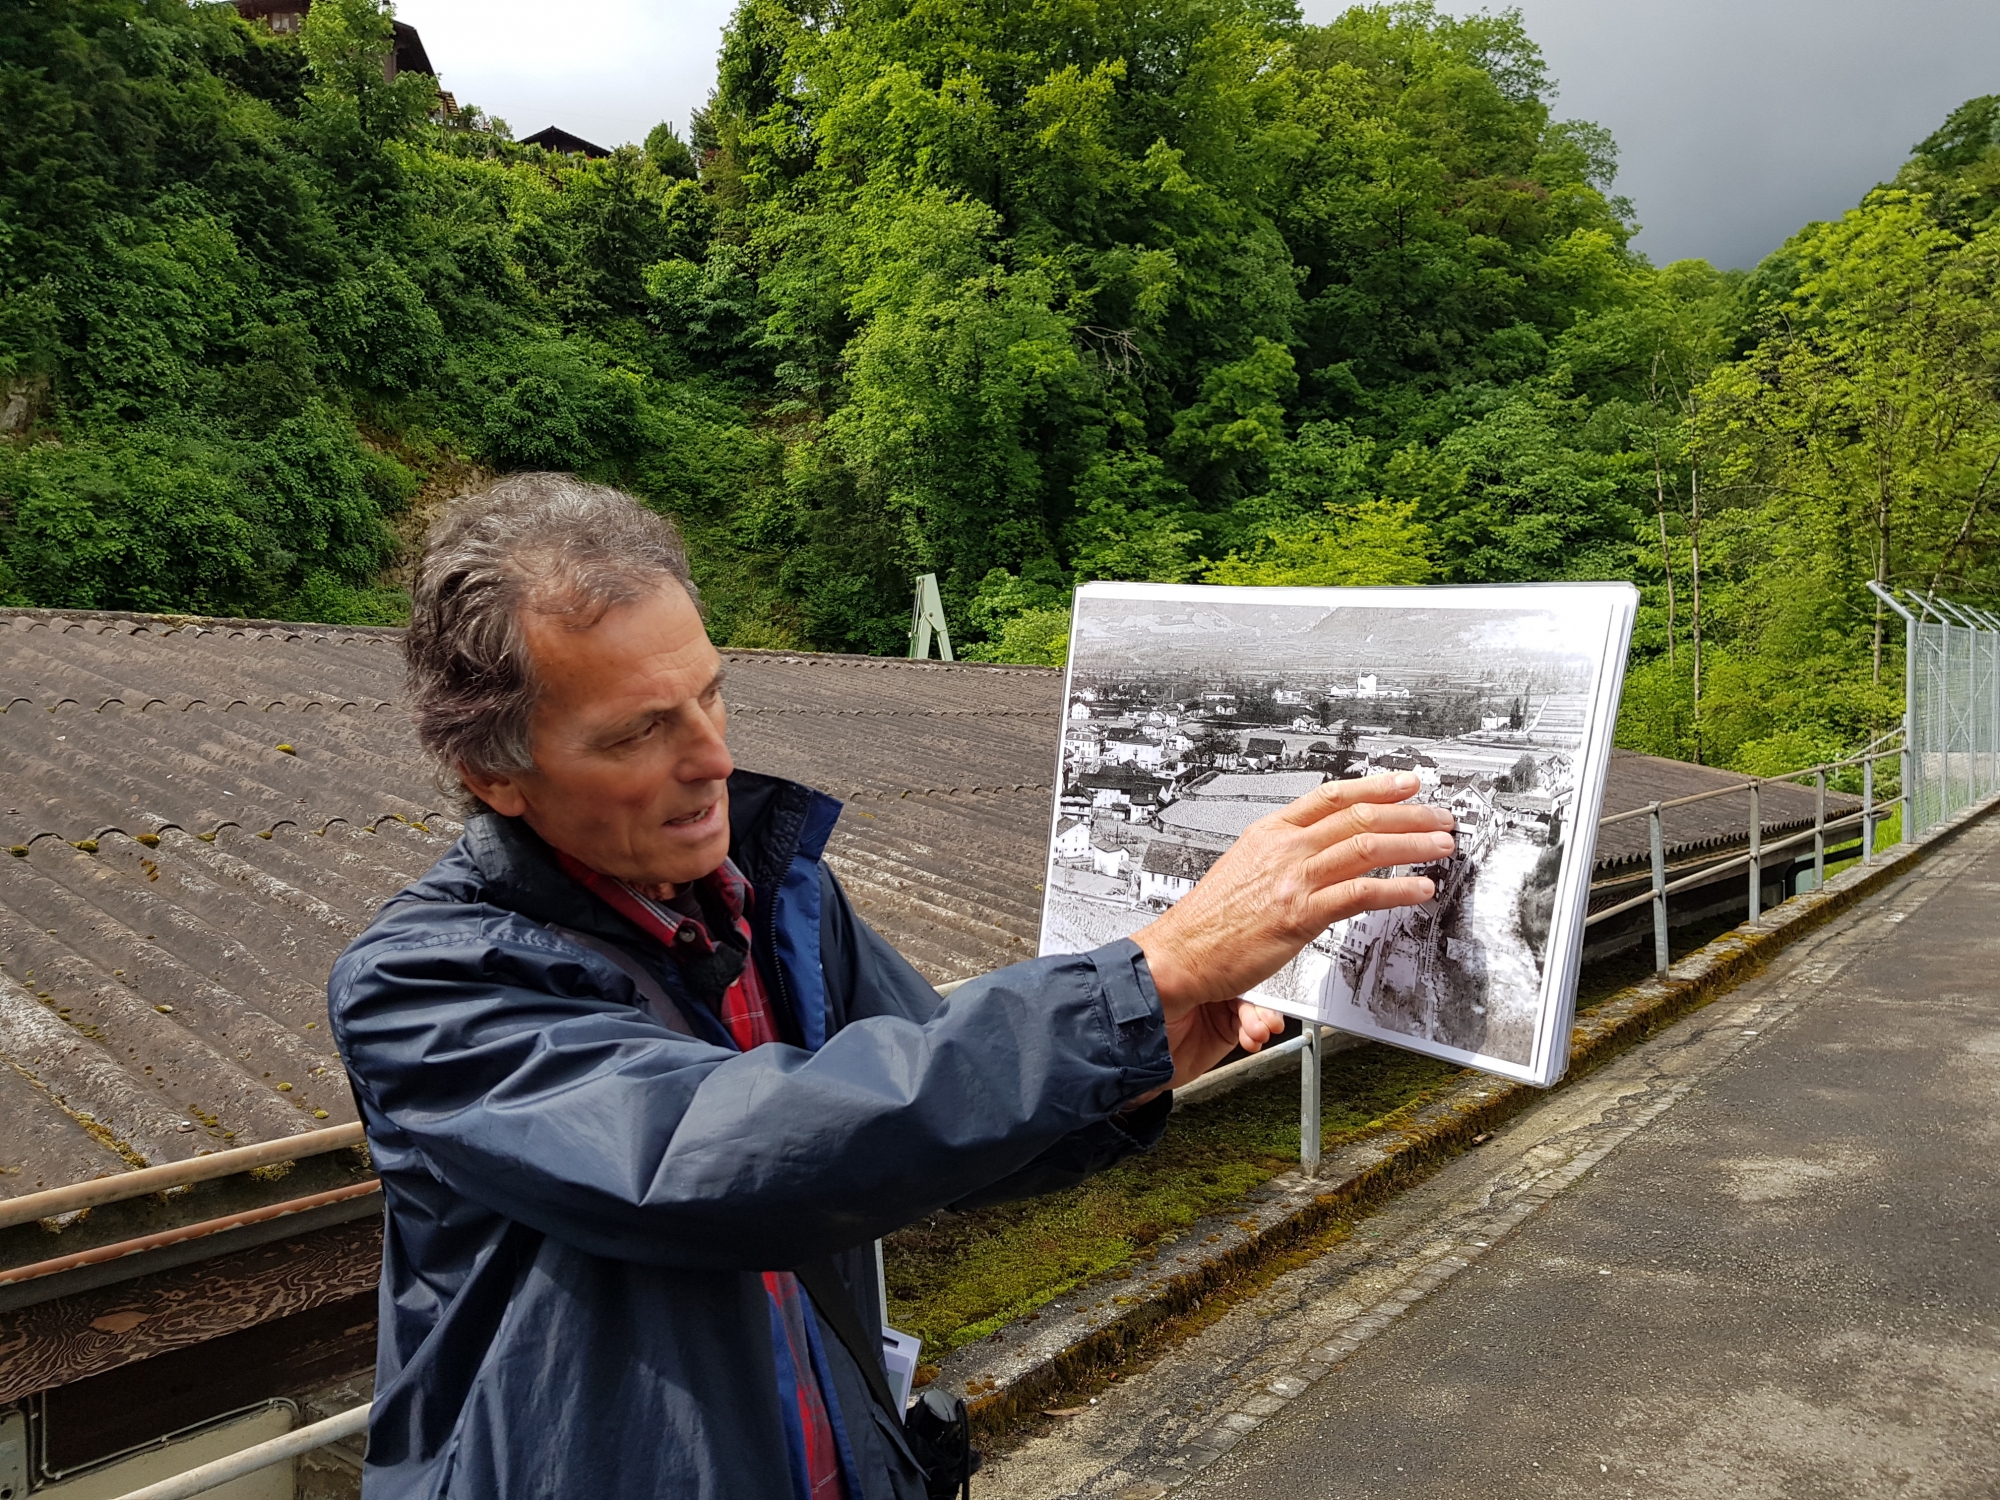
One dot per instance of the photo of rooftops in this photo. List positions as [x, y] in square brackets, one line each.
[1189, 717]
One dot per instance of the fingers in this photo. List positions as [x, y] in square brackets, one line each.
[1255, 1026]
[1331, 796]
[1361, 818]
[1349, 898]
[1377, 851]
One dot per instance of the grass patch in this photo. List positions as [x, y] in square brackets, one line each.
[957, 1277]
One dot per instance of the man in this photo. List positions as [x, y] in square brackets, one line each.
[631, 1067]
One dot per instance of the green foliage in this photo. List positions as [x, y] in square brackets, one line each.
[1378, 542]
[1025, 296]
[1026, 619]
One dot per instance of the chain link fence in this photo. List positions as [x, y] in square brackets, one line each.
[1951, 756]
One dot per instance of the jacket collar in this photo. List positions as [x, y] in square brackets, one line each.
[771, 822]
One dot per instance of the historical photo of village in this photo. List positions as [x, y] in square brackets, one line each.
[1191, 712]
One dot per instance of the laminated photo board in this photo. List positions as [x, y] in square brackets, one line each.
[1191, 711]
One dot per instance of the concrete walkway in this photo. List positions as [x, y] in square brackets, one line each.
[1758, 1256]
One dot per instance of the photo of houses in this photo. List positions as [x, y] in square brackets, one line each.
[1191, 712]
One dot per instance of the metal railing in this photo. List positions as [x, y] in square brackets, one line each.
[278, 1450]
[1948, 747]
[1866, 820]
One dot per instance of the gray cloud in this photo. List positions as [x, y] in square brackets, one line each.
[1738, 121]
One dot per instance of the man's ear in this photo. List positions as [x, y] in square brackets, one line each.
[497, 789]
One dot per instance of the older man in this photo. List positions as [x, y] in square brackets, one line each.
[641, 1086]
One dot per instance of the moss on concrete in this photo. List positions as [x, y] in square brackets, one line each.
[958, 1277]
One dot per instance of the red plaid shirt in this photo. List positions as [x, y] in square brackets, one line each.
[746, 1012]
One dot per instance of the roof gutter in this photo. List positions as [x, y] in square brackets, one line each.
[102, 1190]
[103, 1254]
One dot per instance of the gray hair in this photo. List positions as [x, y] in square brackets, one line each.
[547, 543]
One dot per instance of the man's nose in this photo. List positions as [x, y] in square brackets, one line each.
[704, 756]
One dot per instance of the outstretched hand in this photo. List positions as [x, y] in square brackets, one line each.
[1200, 1038]
[1289, 877]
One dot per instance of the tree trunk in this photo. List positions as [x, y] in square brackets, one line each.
[1694, 564]
[1887, 424]
[1660, 510]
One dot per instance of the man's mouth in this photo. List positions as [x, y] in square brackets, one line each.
[693, 819]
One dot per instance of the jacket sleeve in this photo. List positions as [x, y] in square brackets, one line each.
[866, 976]
[518, 1072]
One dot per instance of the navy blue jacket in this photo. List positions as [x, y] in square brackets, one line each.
[579, 1198]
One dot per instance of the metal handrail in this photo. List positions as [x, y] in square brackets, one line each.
[218, 1472]
[127, 1185]
[1869, 815]
[1868, 755]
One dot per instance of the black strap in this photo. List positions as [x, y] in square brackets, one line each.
[823, 1284]
[657, 1001]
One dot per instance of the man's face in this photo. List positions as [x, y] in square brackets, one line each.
[630, 769]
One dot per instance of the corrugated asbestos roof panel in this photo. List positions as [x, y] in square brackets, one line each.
[1635, 780]
[206, 812]
[186, 883]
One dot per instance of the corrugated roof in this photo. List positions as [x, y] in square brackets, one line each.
[202, 813]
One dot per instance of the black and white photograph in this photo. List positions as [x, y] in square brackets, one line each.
[1190, 712]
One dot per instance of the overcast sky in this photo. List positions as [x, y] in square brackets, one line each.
[1737, 120]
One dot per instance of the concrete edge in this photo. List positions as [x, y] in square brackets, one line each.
[1033, 1361]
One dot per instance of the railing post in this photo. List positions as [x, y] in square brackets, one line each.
[1868, 811]
[1756, 852]
[1309, 1112]
[1662, 958]
[1819, 829]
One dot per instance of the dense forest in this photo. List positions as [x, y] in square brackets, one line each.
[1021, 295]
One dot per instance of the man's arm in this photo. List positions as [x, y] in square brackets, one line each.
[867, 978]
[516, 1070]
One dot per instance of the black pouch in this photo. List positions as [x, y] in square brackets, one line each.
[936, 1427]
[939, 1433]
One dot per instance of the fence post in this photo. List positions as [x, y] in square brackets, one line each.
[1819, 829]
[1868, 811]
[1993, 693]
[1309, 1113]
[1909, 760]
[1662, 958]
[1992, 702]
[1756, 852]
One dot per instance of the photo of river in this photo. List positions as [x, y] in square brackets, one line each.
[1191, 712]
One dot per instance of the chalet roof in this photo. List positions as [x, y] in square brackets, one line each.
[1121, 779]
[1271, 786]
[284, 15]
[1257, 746]
[1223, 817]
[1171, 857]
[555, 138]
